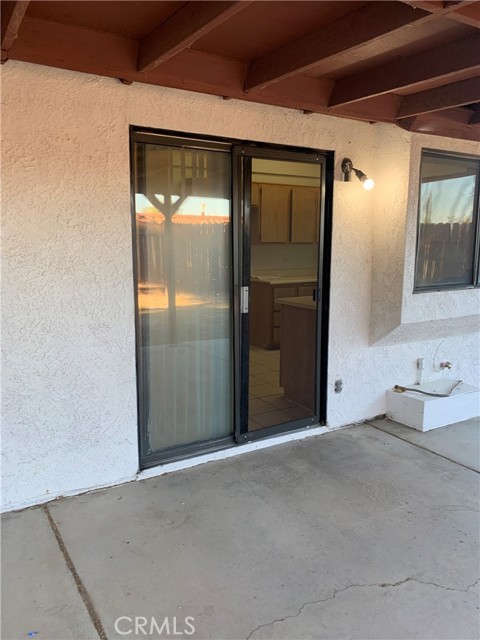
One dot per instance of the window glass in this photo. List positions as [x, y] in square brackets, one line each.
[182, 225]
[447, 221]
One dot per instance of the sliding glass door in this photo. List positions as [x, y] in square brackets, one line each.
[182, 233]
[231, 257]
[282, 271]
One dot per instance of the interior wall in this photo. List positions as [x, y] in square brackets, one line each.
[68, 374]
[281, 257]
[292, 173]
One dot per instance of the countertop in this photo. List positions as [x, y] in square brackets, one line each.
[284, 279]
[304, 302]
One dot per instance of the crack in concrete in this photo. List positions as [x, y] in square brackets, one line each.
[433, 584]
[382, 585]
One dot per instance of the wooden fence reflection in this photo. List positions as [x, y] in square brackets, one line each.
[201, 257]
[444, 254]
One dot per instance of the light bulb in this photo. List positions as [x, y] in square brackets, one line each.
[368, 184]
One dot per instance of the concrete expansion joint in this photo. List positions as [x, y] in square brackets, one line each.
[382, 585]
[422, 447]
[85, 596]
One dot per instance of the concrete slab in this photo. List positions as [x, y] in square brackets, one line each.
[353, 534]
[38, 591]
[459, 442]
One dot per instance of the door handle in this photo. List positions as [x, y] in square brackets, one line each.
[244, 299]
[316, 294]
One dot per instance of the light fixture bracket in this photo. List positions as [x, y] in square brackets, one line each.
[347, 168]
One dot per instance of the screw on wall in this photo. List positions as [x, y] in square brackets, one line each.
[338, 386]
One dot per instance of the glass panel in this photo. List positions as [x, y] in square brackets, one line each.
[183, 213]
[284, 229]
[447, 221]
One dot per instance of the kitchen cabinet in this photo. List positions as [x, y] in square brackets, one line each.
[265, 312]
[284, 214]
[275, 213]
[297, 351]
[304, 218]
[255, 194]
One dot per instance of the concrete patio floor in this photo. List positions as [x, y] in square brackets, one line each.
[360, 533]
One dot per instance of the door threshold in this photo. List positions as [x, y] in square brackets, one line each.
[232, 450]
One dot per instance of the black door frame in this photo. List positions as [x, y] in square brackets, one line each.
[242, 153]
[243, 156]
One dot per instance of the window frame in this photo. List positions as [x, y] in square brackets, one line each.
[239, 149]
[475, 281]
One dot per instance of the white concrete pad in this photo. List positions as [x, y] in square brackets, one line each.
[380, 536]
[39, 595]
[459, 442]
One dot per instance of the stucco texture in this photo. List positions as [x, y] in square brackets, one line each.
[69, 391]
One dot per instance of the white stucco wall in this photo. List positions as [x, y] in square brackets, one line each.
[69, 398]
[399, 315]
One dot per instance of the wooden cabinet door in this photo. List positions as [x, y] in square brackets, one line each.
[261, 314]
[275, 213]
[283, 292]
[307, 289]
[305, 212]
[255, 194]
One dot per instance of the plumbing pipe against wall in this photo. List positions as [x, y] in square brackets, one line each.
[399, 389]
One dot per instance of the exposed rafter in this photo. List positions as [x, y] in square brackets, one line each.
[206, 47]
[191, 22]
[114, 56]
[468, 15]
[365, 25]
[475, 117]
[465, 11]
[446, 62]
[453, 123]
[12, 17]
[451, 95]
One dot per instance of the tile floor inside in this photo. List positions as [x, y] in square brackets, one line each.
[267, 404]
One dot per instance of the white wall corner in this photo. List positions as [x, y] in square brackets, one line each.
[389, 231]
[399, 315]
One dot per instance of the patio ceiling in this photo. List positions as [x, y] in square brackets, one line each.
[415, 63]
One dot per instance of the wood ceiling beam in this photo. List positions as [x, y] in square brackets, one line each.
[467, 12]
[79, 49]
[451, 95]
[438, 6]
[475, 117]
[180, 31]
[12, 14]
[468, 15]
[452, 123]
[354, 30]
[446, 62]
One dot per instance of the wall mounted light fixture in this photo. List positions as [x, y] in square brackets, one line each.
[347, 168]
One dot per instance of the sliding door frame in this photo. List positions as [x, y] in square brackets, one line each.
[241, 153]
[149, 458]
[244, 154]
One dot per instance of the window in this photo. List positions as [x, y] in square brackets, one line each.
[448, 222]
[183, 281]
